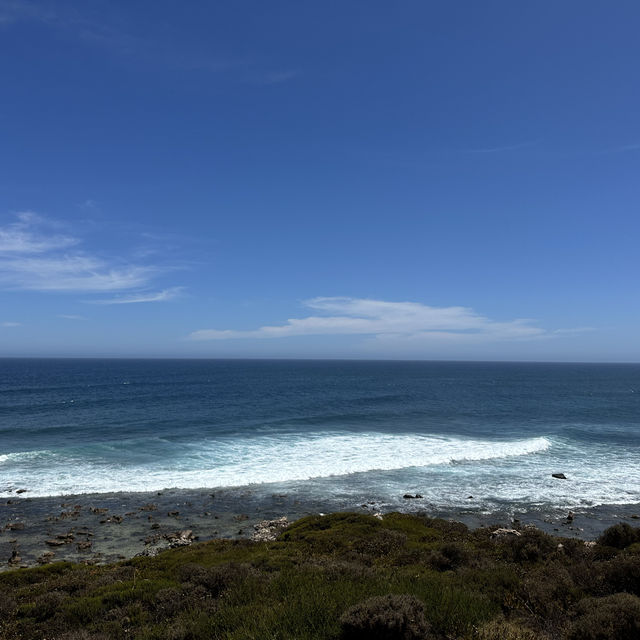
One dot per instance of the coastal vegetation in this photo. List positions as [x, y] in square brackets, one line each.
[344, 576]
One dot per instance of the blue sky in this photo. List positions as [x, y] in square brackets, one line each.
[320, 179]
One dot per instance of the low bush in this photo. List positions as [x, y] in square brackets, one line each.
[390, 617]
[619, 536]
[615, 617]
[503, 630]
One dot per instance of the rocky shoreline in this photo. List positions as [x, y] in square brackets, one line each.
[102, 528]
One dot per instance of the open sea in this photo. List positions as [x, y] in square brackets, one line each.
[483, 436]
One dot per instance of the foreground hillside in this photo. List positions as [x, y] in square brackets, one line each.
[343, 576]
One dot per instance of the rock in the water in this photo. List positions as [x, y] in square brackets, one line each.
[504, 534]
[408, 496]
[570, 516]
[560, 476]
[46, 557]
[21, 491]
[268, 530]
[15, 558]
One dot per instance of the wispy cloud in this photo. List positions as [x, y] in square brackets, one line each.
[10, 324]
[21, 236]
[70, 316]
[159, 296]
[407, 320]
[32, 258]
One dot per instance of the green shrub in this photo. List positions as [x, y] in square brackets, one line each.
[214, 579]
[622, 573]
[615, 617]
[532, 545]
[390, 617]
[448, 556]
[619, 536]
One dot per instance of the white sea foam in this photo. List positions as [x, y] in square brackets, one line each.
[219, 463]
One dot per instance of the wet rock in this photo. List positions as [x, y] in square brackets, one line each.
[98, 510]
[148, 507]
[499, 535]
[155, 525]
[15, 558]
[570, 516]
[408, 496]
[173, 514]
[21, 490]
[15, 526]
[84, 545]
[560, 476]
[268, 530]
[55, 543]
[46, 557]
[241, 517]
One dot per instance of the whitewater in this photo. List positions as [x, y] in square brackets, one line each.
[462, 435]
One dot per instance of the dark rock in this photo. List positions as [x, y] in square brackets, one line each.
[55, 543]
[21, 491]
[560, 476]
[15, 526]
[408, 496]
[83, 545]
[98, 510]
[15, 558]
[173, 514]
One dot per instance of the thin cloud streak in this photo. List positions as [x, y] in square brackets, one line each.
[160, 296]
[379, 318]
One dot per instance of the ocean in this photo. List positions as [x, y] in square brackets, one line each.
[482, 437]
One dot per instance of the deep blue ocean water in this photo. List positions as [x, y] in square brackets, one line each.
[353, 430]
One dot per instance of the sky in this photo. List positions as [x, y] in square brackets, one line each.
[360, 179]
